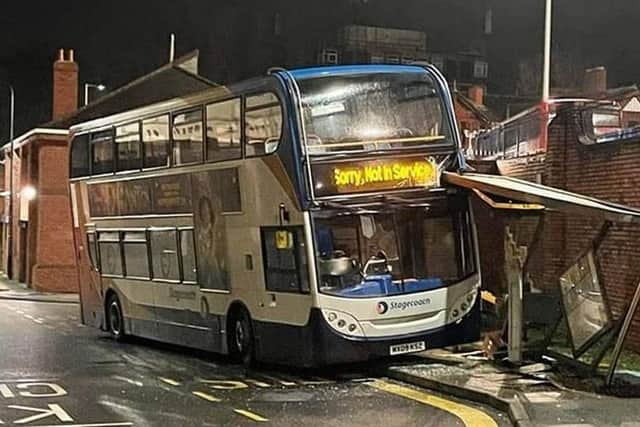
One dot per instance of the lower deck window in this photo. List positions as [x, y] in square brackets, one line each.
[164, 254]
[110, 253]
[135, 254]
[188, 256]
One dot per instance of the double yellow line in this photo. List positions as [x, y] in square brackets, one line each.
[471, 417]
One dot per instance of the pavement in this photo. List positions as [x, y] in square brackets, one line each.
[532, 395]
[14, 290]
[56, 372]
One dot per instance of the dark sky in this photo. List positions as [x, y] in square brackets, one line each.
[116, 41]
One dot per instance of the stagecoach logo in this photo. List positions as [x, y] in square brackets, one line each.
[382, 307]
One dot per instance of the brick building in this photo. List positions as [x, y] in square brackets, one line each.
[471, 113]
[37, 240]
[577, 160]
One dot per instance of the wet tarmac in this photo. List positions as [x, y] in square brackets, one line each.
[54, 371]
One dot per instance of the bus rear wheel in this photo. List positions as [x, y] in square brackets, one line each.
[115, 320]
[241, 338]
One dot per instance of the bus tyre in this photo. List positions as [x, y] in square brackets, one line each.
[242, 343]
[115, 321]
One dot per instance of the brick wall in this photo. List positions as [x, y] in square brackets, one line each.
[608, 172]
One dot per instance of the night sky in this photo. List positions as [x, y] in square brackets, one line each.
[117, 41]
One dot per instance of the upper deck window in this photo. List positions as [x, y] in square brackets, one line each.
[155, 139]
[223, 130]
[373, 111]
[128, 150]
[263, 122]
[187, 137]
[102, 152]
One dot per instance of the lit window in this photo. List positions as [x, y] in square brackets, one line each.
[480, 69]
[329, 57]
[223, 130]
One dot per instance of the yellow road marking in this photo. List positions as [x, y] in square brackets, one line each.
[470, 417]
[169, 381]
[206, 396]
[251, 415]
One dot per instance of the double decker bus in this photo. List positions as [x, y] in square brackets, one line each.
[296, 218]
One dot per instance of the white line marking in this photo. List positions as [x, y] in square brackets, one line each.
[169, 381]
[251, 415]
[206, 396]
[93, 425]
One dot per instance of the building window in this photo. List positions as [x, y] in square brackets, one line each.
[263, 124]
[110, 253]
[155, 138]
[285, 263]
[188, 256]
[488, 21]
[136, 258]
[187, 137]
[480, 69]
[128, 150]
[79, 156]
[164, 255]
[223, 130]
[392, 59]
[329, 57]
[102, 152]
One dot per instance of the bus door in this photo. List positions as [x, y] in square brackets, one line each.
[285, 298]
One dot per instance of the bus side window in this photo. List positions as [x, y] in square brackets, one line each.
[80, 156]
[110, 254]
[164, 255]
[136, 258]
[128, 155]
[92, 245]
[187, 135]
[223, 130]
[285, 265]
[263, 124]
[155, 141]
[102, 152]
[188, 256]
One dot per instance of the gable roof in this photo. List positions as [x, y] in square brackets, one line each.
[169, 81]
[481, 111]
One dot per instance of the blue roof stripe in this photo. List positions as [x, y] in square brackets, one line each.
[306, 73]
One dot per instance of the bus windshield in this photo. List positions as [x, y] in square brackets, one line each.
[394, 253]
[372, 112]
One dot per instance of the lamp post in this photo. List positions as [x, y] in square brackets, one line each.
[547, 51]
[100, 87]
[12, 97]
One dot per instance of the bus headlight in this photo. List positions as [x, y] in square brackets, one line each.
[343, 323]
[462, 306]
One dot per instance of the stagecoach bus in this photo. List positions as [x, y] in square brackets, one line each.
[295, 218]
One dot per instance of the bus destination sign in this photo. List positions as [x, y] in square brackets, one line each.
[376, 175]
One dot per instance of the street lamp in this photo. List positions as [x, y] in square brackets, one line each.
[547, 51]
[12, 98]
[100, 88]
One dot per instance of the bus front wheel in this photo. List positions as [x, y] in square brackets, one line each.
[114, 318]
[241, 337]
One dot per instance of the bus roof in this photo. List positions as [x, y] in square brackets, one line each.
[340, 70]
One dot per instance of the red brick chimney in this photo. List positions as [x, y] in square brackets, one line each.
[476, 94]
[595, 81]
[65, 84]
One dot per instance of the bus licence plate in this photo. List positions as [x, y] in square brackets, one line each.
[407, 348]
